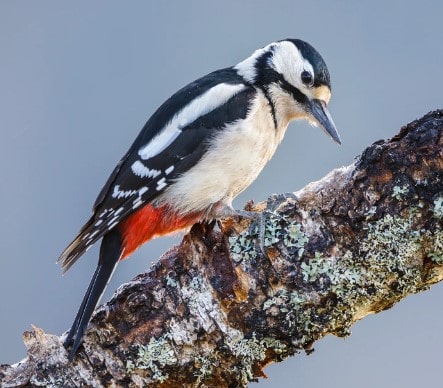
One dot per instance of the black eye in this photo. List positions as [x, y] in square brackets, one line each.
[306, 77]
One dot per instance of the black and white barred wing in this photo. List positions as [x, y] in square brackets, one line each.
[158, 157]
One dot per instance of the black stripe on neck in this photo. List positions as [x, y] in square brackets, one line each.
[272, 77]
[267, 76]
[272, 106]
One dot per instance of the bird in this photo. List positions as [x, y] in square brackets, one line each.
[199, 150]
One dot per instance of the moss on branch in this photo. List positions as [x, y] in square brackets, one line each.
[214, 311]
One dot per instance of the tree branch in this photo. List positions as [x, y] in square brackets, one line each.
[214, 311]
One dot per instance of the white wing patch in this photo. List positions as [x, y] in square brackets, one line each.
[143, 190]
[122, 193]
[139, 169]
[161, 184]
[207, 102]
[138, 201]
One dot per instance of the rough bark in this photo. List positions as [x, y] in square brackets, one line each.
[214, 311]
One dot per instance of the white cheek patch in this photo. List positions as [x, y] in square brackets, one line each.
[207, 102]
[289, 62]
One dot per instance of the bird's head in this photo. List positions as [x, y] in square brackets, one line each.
[295, 79]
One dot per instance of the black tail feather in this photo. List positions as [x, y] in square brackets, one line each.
[110, 253]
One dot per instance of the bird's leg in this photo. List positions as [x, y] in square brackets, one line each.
[221, 210]
[259, 219]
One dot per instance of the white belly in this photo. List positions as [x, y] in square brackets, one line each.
[231, 164]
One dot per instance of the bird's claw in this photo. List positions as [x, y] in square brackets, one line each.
[258, 227]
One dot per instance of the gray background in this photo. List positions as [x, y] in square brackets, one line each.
[79, 79]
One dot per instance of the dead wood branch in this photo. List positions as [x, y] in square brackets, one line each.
[213, 311]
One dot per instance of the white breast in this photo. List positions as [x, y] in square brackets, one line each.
[236, 157]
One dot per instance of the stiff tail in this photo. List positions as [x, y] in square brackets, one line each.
[110, 253]
[118, 243]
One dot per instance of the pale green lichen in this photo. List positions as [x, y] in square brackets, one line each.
[386, 255]
[371, 212]
[242, 247]
[154, 356]
[438, 207]
[297, 300]
[277, 346]
[315, 267]
[337, 271]
[392, 245]
[276, 228]
[171, 282]
[279, 299]
[279, 228]
[204, 368]
[248, 350]
[295, 237]
[398, 192]
[391, 237]
[196, 282]
[130, 366]
[436, 254]
[252, 349]
[386, 264]
[346, 276]
[273, 229]
[298, 311]
[337, 290]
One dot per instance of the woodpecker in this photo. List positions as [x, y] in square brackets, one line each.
[196, 153]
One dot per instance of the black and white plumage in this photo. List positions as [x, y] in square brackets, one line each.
[199, 150]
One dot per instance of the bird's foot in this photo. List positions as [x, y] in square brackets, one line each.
[256, 228]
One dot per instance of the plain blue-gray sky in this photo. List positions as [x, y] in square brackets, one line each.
[79, 79]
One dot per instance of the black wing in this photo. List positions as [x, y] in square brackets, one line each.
[135, 181]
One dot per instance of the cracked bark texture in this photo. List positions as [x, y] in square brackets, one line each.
[214, 311]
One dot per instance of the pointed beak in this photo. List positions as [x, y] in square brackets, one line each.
[324, 119]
